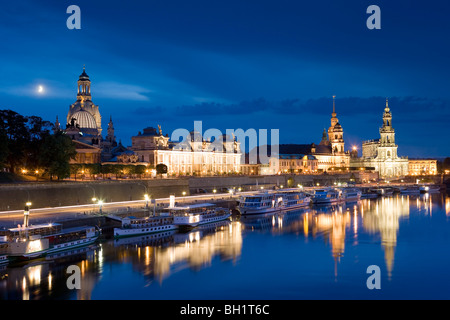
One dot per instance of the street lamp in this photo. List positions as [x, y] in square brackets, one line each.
[100, 203]
[146, 197]
[26, 214]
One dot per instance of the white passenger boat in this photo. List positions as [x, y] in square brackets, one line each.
[38, 240]
[260, 203]
[34, 241]
[326, 196]
[369, 193]
[410, 190]
[3, 251]
[71, 238]
[350, 194]
[429, 188]
[132, 226]
[293, 200]
[194, 215]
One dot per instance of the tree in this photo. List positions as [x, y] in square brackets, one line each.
[446, 164]
[23, 138]
[55, 154]
[161, 168]
[4, 151]
[75, 168]
[14, 126]
[140, 170]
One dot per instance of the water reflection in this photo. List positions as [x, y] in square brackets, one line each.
[46, 278]
[157, 257]
[382, 217]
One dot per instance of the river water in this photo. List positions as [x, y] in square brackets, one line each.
[314, 253]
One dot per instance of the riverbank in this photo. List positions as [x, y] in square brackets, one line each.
[69, 193]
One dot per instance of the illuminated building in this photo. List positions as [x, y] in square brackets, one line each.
[85, 128]
[381, 154]
[422, 166]
[193, 155]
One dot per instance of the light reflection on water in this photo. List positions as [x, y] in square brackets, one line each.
[325, 250]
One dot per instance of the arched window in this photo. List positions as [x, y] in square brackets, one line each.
[388, 154]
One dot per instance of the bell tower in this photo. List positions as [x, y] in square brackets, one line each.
[387, 148]
[84, 87]
[336, 133]
[387, 133]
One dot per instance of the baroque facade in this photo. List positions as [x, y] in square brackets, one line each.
[193, 155]
[328, 155]
[381, 154]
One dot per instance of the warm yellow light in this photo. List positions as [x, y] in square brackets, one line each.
[28, 204]
[94, 199]
[146, 197]
[24, 171]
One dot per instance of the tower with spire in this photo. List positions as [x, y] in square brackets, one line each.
[336, 133]
[381, 153]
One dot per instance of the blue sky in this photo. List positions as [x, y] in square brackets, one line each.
[237, 64]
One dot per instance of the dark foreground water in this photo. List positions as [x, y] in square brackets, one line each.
[317, 253]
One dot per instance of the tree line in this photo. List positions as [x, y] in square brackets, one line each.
[28, 142]
[119, 170]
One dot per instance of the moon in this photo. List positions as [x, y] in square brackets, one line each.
[40, 89]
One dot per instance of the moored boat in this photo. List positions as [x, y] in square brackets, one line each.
[132, 226]
[260, 203]
[191, 216]
[326, 196]
[410, 190]
[72, 238]
[35, 241]
[369, 193]
[293, 200]
[350, 194]
[429, 188]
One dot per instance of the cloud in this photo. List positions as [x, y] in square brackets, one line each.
[115, 90]
[347, 106]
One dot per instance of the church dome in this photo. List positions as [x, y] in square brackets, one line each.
[84, 76]
[84, 119]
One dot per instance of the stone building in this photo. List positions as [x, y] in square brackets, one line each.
[84, 122]
[193, 155]
[381, 154]
[422, 167]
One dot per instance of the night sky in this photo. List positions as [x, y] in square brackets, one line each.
[237, 64]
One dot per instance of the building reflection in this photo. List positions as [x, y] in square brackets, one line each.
[382, 217]
[331, 222]
[177, 251]
[447, 207]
